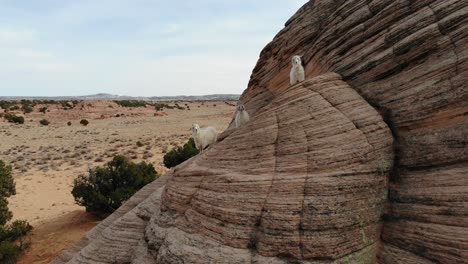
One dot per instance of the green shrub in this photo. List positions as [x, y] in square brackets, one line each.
[14, 119]
[180, 154]
[6, 104]
[106, 188]
[27, 109]
[131, 103]
[14, 108]
[43, 109]
[9, 233]
[179, 107]
[84, 122]
[139, 144]
[44, 122]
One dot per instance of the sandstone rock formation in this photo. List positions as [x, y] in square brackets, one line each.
[364, 162]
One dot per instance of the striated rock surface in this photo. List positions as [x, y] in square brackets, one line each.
[364, 162]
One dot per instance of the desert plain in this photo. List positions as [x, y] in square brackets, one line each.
[46, 159]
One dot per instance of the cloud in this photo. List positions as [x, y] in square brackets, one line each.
[16, 35]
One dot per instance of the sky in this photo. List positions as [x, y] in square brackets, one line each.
[134, 47]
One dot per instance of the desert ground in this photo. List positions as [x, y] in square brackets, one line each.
[46, 159]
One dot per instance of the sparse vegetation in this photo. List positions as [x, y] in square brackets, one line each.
[131, 103]
[106, 188]
[44, 122]
[161, 106]
[69, 123]
[383, 167]
[14, 118]
[180, 154]
[179, 107]
[11, 234]
[139, 144]
[84, 122]
[27, 109]
[14, 108]
[43, 109]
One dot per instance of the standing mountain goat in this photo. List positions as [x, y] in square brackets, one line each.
[242, 116]
[203, 137]
[297, 71]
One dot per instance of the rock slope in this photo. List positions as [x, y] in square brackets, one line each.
[364, 162]
[305, 179]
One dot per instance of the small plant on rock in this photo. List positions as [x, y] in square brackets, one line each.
[383, 167]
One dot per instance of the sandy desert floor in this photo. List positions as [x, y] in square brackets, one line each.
[46, 159]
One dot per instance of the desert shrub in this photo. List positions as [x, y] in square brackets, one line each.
[69, 123]
[44, 122]
[27, 109]
[14, 108]
[84, 122]
[6, 104]
[180, 154]
[14, 119]
[43, 109]
[139, 144]
[179, 107]
[106, 188]
[12, 232]
[161, 106]
[131, 103]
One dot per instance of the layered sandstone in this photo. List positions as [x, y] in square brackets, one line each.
[364, 162]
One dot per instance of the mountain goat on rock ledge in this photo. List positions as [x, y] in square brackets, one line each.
[242, 116]
[297, 73]
[203, 137]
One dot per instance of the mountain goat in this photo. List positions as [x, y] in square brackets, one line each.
[203, 137]
[242, 116]
[297, 71]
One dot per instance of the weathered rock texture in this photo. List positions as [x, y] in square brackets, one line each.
[316, 176]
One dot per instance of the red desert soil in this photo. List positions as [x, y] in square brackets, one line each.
[51, 238]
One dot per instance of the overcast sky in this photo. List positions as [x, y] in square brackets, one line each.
[134, 47]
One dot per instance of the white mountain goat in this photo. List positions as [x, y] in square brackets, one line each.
[297, 71]
[242, 116]
[203, 137]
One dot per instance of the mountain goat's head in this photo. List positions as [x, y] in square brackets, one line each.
[296, 61]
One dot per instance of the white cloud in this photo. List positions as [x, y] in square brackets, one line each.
[16, 35]
[32, 54]
[170, 29]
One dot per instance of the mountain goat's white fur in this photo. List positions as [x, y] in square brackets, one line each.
[297, 73]
[203, 137]
[242, 116]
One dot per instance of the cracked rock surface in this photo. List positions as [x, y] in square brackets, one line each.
[364, 162]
